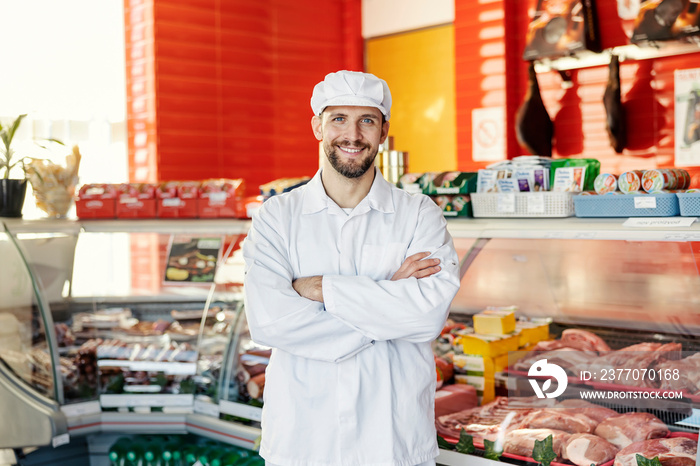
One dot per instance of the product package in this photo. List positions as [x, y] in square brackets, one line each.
[177, 199]
[220, 198]
[661, 20]
[136, 200]
[97, 200]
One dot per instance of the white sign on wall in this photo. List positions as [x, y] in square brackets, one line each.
[687, 117]
[488, 134]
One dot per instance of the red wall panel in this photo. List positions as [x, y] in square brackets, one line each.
[222, 88]
[577, 112]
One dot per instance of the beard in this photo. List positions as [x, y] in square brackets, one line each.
[351, 168]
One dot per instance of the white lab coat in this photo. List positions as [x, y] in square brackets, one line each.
[351, 382]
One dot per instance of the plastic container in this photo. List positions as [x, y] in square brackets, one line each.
[537, 204]
[689, 204]
[627, 205]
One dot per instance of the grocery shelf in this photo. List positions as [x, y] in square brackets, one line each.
[570, 228]
[194, 225]
[517, 228]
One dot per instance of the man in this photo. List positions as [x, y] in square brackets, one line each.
[349, 279]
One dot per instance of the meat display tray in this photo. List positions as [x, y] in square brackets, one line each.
[627, 205]
[544, 204]
[480, 450]
[689, 204]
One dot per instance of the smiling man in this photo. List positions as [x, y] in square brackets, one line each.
[349, 279]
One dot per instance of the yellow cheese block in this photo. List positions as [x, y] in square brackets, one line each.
[494, 322]
[532, 332]
[487, 345]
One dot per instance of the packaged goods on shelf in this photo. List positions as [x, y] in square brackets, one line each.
[96, 200]
[177, 199]
[136, 200]
[532, 332]
[456, 205]
[221, 198]
[282, 185]
[591, 171]
[662, 204]
[449, 183]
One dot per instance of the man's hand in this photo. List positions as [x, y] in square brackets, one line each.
[309, 287]
[417, 266]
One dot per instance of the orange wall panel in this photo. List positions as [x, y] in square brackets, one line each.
[222, 89]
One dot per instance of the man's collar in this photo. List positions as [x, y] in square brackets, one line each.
[379, 197]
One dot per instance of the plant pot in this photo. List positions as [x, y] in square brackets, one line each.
[12, 194]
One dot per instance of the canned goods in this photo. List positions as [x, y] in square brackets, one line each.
[657, 180]
[683, 178]
[605, 183]
[630, 182]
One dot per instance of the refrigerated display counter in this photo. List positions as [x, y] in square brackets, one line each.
[176, 357]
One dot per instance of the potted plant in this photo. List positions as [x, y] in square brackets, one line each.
[12, 191]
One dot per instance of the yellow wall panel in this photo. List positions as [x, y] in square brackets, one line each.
[419, 67]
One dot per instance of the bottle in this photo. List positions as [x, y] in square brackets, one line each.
[117, 452]
[171, 454]
[152, 452]
[190, 455]
[134, 454]
[233, 457]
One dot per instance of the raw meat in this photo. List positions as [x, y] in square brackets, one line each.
[688, 372]
[615, 123]
[570, 359]
[628, 428]
[675, 451]
[453, 398]
[575, 339]
[587, 449]
[639, 356]
[559, 419]
[533, 126]
[593, 411]
[522, 441]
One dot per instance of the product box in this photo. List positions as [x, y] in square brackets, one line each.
[479, 372]
[450, 183]
[494, 322]
[532, 332]
[96, 201]
[487, 345]
[177, 199]
[453, 206]
[220, 198]
[136, 200]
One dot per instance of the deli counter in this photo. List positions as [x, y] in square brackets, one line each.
[138, 326]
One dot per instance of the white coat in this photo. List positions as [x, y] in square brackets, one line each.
[351, 382]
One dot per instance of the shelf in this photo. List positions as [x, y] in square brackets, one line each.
[625, 52]
[567, 228]
[71, 226]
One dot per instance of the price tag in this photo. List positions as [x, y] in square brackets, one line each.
[59, 440]
[535, 203]
[505, 203]
[644, 222]
[645, 202]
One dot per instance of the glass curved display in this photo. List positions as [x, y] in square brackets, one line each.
[25, 349]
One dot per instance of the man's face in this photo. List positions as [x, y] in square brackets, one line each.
[351, 137]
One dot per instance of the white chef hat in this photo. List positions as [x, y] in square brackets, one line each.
[352, 88]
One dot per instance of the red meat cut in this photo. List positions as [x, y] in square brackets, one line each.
[628, 428]
[675, 451]
[587, 449]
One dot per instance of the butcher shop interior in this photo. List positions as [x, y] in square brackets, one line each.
[559, 138]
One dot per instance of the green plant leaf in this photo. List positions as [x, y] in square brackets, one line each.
[444, 444]
[466, 443]
[642, 461]
[490, 451]
[544, 451]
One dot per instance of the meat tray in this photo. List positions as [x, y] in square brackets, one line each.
[480, 446]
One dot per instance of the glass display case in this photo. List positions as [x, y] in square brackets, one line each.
[129, 335]
[31, 371]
